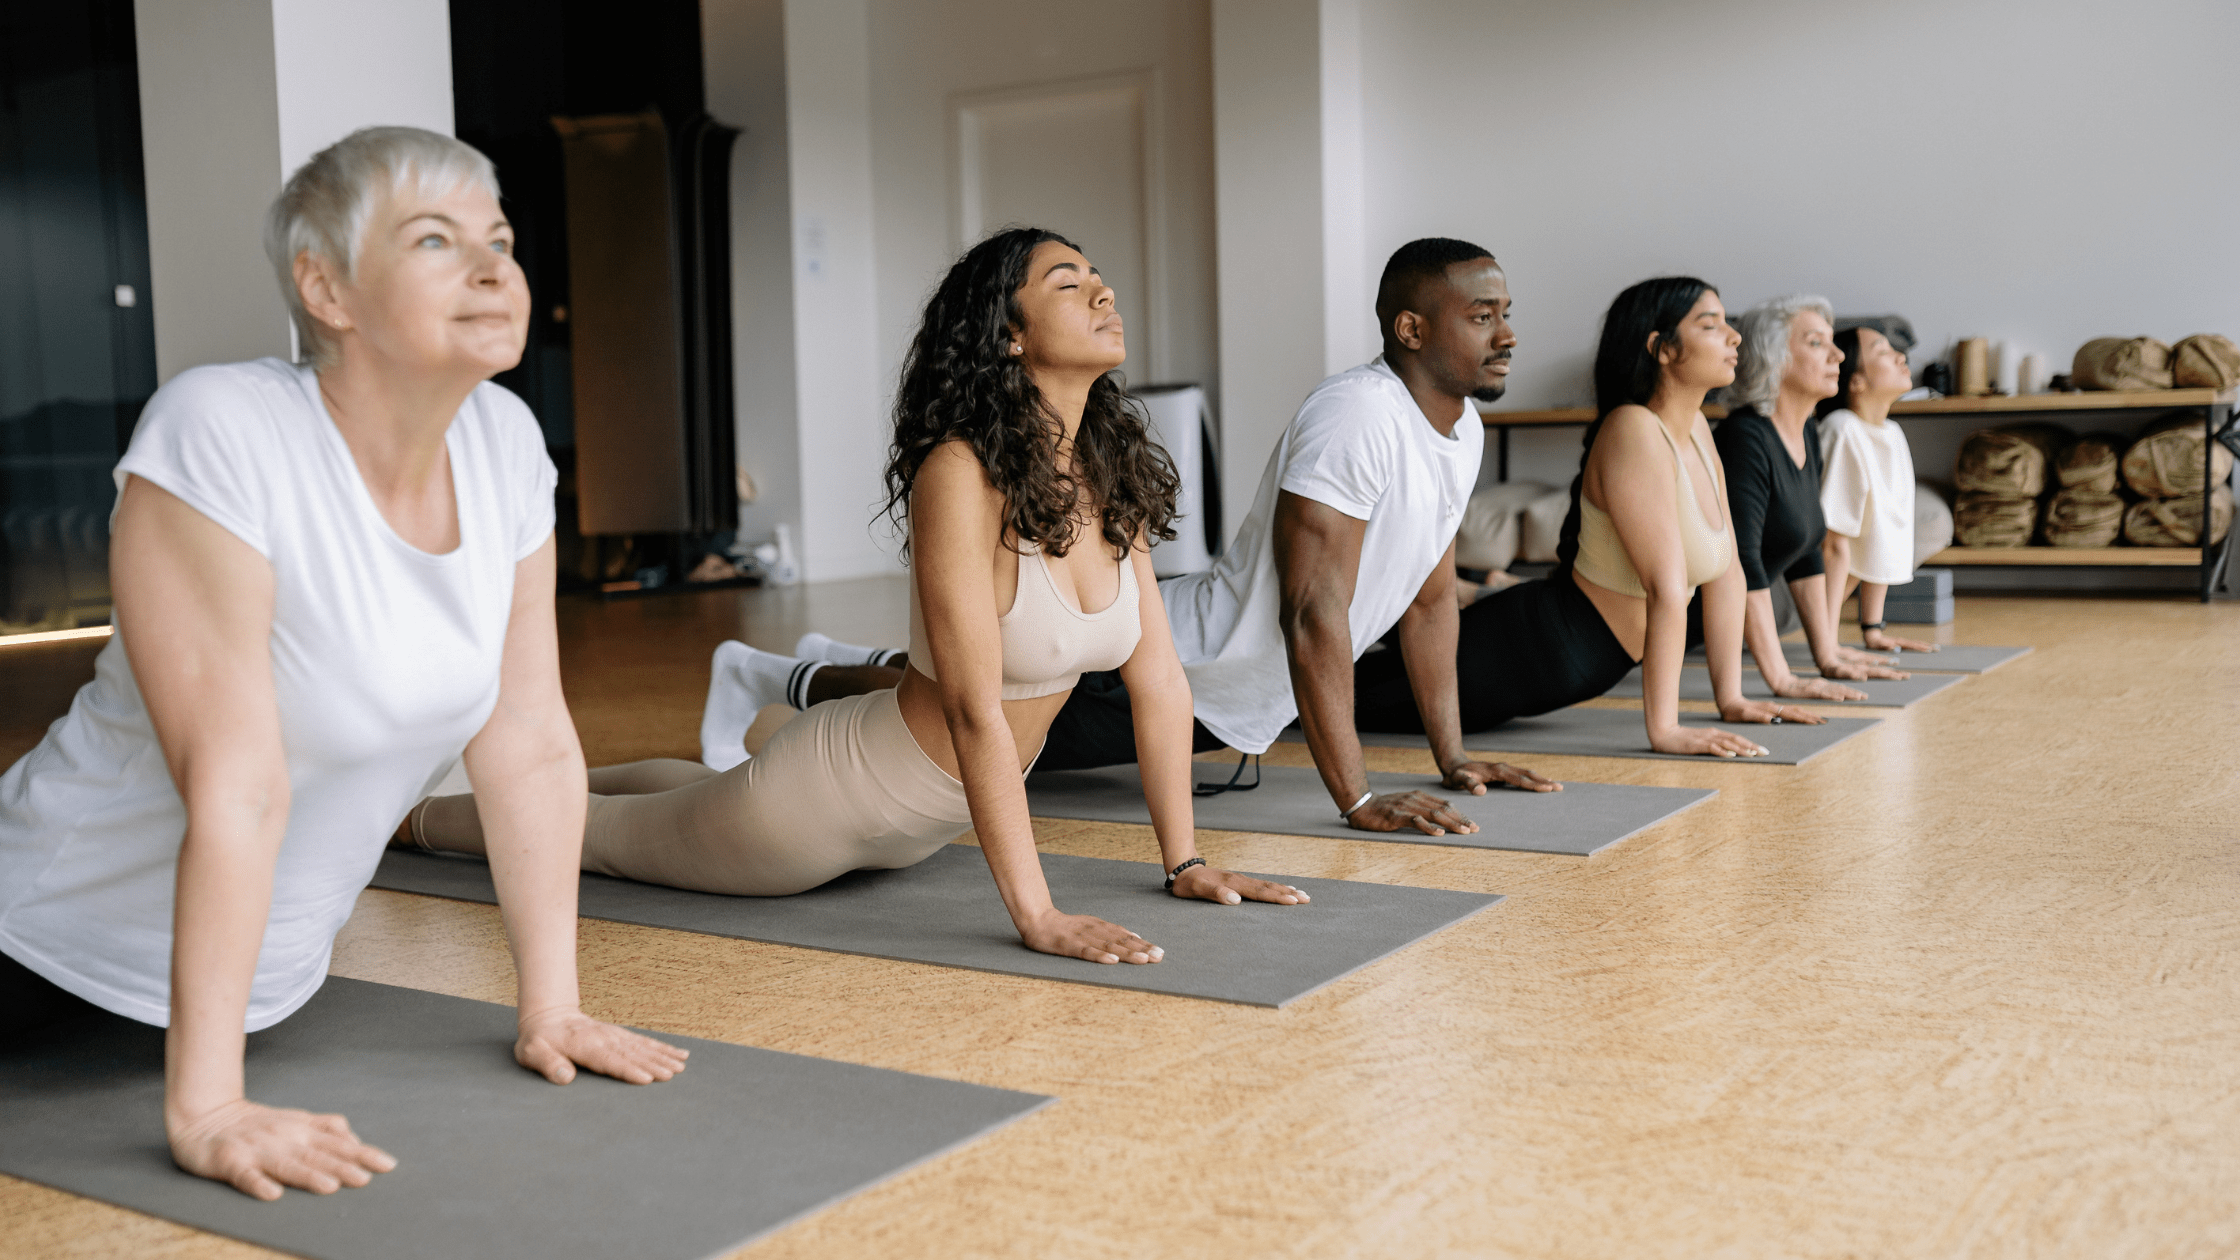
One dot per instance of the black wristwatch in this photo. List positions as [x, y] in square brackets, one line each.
[1865, 626]
[1180, 869]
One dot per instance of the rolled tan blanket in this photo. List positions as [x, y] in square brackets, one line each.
[2205, 361]
[2121, 363]
[2010, 461]
[2083, 518]
[1994, 520]
[2177, 522]
[2092, 462]
[2166, 460]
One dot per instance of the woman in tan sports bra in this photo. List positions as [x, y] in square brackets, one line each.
[1648, 526]
[1030, 491]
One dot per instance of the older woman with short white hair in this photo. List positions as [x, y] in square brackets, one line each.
[1770, 446]
[332, 580]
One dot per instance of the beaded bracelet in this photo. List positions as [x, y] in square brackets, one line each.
[1171, 875]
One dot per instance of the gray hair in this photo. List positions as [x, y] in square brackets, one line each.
[324, 206]
[1765, 348]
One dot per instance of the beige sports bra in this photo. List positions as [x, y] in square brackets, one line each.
[1046, 645]
[1602, 558]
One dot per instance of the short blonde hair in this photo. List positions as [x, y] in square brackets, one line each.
[324, 206]
[1765, 348]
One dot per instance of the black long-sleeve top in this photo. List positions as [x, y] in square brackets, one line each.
[1775, 503]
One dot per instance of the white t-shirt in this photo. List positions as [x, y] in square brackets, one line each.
[1866, 493]
[1361, 445]
[385, 659]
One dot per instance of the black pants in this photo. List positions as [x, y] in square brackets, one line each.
[1097, 727]
[1530, 649]
[29, 1001]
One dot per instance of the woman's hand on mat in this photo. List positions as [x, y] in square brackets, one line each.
[553, 1042]
[1764, 711]
[1852, 669]
[1397, 811]
[1475, 776]
[1796, 688]
[1704, 741]
[1880, 642]
[1853, 656]
[1228, 888]
[1087, 936]
[259, 1150]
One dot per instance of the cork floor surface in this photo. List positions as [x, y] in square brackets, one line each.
[1968, 985]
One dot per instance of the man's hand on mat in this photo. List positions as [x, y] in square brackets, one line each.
[258, 1150]
[1397, 811]
[1208, 883]
[1852, 669]
[553, 1042]
[1705, 741]
[1763, 711]
[1880, 642]
[1797, 688]
[1086, 936]
[1474, 777]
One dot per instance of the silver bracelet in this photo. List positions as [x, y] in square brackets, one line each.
[1347, 816]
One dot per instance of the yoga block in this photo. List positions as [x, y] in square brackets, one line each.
[1918, 612]
[1926, 584]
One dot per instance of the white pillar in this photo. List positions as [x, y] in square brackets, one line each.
[234, 94]
[745, 48]
[839, 390]
[1289, 215]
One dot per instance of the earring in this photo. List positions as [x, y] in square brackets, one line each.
[1014, 347]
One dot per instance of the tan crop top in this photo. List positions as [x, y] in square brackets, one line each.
[1046, 645]
[1602, 558]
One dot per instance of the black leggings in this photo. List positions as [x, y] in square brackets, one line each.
[1530, 649]
[29, 1001]
[1097, 727]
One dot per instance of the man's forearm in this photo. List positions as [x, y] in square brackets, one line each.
[1428, 639]
[1321, 656]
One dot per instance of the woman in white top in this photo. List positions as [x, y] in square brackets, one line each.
[1030, 490]
[332, 579]
[1866, 486]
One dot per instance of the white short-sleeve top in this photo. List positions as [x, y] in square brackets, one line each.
[1359, 444]
[1866, 493]
[385, 660]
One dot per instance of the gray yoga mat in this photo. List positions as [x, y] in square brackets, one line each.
[1582, 820]
[1882, 693]
[945, 911]
[492, 1162]
[1579, 732]
[1952, 658]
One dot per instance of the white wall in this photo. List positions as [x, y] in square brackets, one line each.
[234, 94]
[2047, 172]
[745, 53]
[837, 271]
[1278, 288]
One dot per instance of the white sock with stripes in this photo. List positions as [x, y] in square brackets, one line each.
[831, 651]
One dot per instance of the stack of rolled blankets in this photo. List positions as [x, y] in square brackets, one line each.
[2040, 483]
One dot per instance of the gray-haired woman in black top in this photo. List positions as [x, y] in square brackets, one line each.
[1770, 445]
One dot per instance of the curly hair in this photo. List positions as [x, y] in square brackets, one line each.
[958, 383]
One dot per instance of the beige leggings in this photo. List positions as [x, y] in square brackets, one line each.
[843, 787]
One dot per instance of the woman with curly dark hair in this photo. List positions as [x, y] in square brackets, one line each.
[1029, 492]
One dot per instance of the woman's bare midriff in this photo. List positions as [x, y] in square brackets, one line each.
[919, 697]
[1626, 615]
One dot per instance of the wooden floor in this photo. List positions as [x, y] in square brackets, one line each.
[1967, 985]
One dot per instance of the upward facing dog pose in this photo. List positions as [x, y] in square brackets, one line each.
[1770, 443]
[1352, 533]
[1030, 491]
[1647, 530]
[332, 579]
[1866, 485]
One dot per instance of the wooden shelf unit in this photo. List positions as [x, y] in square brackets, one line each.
[2216, 409]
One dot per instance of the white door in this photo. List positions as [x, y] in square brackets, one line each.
[1072, 158]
